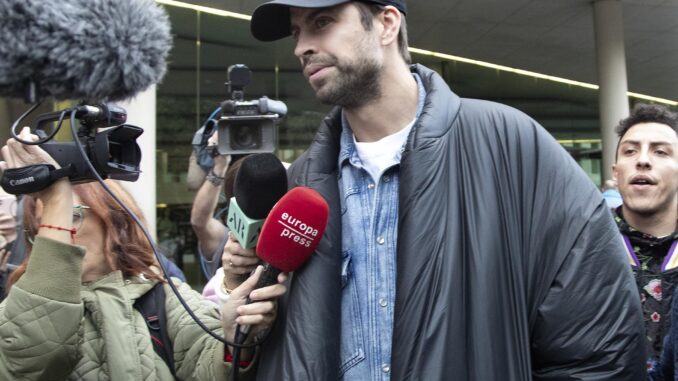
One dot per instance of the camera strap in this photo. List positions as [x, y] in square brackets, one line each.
[32, 178]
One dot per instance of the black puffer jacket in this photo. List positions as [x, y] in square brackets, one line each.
[509, 264]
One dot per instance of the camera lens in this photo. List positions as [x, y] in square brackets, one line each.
[245, 136]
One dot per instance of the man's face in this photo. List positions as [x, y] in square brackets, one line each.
[340, 59]
[647, 168]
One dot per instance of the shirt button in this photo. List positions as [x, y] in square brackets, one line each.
[385, 368]
[383, 302]
[370, 186]
[380, 240]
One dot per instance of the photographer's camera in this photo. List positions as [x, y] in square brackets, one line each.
[109, 145]
[247, 126]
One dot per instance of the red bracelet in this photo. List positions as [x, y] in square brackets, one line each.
[71, 230]
[229, 359]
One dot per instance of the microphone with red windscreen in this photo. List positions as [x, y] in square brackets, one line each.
[289, 236]
[291, 232]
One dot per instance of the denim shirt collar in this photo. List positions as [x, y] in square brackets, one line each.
[348, 149]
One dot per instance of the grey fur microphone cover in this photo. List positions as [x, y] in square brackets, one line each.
[93, 50]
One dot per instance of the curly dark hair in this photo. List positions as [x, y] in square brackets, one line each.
[646, 113]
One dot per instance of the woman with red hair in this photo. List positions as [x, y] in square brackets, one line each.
[70, 312]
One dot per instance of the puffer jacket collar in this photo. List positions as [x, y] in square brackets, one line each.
[433, 123]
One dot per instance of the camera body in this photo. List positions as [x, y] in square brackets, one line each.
[247, 127]
[109, 144]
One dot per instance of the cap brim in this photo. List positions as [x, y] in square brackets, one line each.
[271, 21]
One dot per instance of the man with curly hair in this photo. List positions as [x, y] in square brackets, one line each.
[646, 170]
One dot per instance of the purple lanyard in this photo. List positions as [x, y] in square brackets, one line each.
[670, 261]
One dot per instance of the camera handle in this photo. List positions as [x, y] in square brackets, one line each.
[272, 106]
[32, 178]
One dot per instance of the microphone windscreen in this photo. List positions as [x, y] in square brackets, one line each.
[293, 229]
[261, 181]
[94, 50]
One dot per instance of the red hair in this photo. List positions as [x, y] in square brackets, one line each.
[125, 246]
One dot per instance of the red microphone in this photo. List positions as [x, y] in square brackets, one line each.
[290, 234]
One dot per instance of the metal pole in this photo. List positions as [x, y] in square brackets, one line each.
[611, 62]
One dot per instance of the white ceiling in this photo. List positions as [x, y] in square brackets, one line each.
[554, 37]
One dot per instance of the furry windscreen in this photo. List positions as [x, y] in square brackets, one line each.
[93, 50]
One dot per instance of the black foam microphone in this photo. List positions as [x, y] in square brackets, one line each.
[261, 181]
[92, 50]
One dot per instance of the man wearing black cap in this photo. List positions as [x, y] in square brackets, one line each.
[463, 242]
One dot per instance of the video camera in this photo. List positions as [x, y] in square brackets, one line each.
[247, 126]
[112, 151]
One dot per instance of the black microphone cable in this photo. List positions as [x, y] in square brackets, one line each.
[17, 123]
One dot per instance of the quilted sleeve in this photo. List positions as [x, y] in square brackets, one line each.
[41, 318]
[197, 355]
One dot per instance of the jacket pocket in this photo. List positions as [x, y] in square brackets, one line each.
[352, 352]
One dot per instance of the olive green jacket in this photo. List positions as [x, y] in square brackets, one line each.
[53, 327]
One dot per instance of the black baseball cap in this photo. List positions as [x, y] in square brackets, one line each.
[271, 21]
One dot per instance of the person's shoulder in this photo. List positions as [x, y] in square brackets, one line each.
[482, 109]
[297, 164]
[297, 168]
[190, 296]
[478, 118]
[200, 305]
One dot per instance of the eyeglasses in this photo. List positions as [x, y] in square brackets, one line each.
[78, 215]
[78, 219]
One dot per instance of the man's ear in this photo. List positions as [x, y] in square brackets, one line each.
[390, 19]
[614, 173]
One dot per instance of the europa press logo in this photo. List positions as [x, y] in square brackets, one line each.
[296, 230]
[293, 229]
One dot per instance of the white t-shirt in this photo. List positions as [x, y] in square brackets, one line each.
[381, 155]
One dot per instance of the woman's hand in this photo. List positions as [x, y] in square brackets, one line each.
[17, 155]
[260, 313]
[237, 262]
[57, 199]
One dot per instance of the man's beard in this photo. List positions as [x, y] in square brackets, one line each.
[356, 83]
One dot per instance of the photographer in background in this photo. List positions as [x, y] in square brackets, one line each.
[237, 128]
[212, 232]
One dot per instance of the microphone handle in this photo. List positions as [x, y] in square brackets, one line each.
[268, 277]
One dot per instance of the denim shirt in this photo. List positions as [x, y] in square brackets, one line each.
[369, 217]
